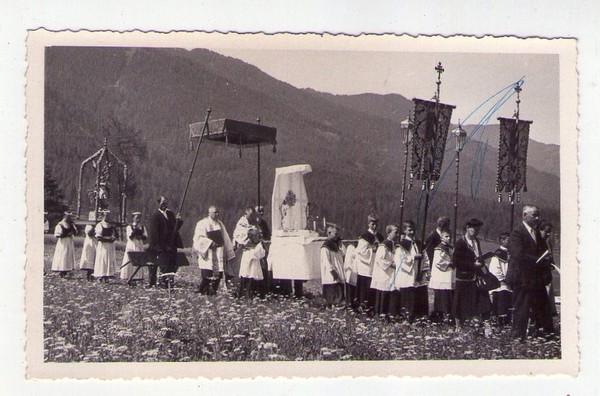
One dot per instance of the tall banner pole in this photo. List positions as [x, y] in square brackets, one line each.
[258, 168]
[406, 137]
[187, 185]
[427, 182]
[518, 90]
[512, 157]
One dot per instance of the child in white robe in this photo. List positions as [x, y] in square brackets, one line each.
[88, 252]
[105, 265]
[251, 274]
[332, 268]
[382, 280]
[63, 261]
[136, 236]
[443, 278]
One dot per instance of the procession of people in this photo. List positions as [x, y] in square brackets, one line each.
[389, 276]
[513, 289]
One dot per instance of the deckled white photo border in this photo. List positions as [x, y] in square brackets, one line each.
[566, 49]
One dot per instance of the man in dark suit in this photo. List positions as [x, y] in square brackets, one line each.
[164, 238]
[528, 276]
[434, 239]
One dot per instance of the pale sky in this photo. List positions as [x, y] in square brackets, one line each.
[469, 79]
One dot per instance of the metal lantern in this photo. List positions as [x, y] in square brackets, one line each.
[460, 136]
[406, 127]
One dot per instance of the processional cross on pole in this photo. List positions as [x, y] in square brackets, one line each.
[512, 156]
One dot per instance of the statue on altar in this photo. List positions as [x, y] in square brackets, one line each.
[290, 201]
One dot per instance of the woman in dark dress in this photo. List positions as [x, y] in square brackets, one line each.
[468, 301]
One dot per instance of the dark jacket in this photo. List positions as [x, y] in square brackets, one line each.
[163, 233]
[464, 259]
[523, 271]
[372, 239]
[431, 242]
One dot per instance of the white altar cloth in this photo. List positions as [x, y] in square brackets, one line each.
[295, 257]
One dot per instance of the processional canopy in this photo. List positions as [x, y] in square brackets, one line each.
[239, 133]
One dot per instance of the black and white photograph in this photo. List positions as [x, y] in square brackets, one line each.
[337, 200]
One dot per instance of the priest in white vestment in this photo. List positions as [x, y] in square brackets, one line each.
[213, 245]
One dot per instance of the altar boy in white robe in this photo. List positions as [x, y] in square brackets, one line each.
[332, 268]
[364, 257]
[214, 248]
[251, 273]
[63, 261]
[240, 239]
[502, 296]
[412, 274]
[382, 281]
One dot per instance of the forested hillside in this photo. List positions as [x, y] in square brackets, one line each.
[144, 100]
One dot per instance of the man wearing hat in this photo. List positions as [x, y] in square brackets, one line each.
[63, 261]
[528, 274]
[164, 238]
[364, 258]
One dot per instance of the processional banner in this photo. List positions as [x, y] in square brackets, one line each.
[512, 155]
[431, 124]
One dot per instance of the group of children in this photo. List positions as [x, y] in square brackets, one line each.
[98, 258]
[391, 277]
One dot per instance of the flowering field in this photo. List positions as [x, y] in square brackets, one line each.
[113, 322]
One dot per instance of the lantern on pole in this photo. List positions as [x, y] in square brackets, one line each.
[460, 137]
[406, 127]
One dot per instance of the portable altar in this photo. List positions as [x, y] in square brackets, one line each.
[294, 251]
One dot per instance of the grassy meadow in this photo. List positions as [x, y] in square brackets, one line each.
[113, 322]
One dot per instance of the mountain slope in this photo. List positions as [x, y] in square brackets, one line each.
[351, 142]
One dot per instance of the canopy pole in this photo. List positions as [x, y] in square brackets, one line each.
[258, 168]
[258, 174]
[187, 185]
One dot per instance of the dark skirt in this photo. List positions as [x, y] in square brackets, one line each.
[464, 301]
[333, 294]
[232, 267]
[415, 301]
[502, 304]
[249, 288]
[484, 304]
[395, 307]
[208, 284]
[350, 293]
[442, 301]
[363, 284]
[382, 302]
